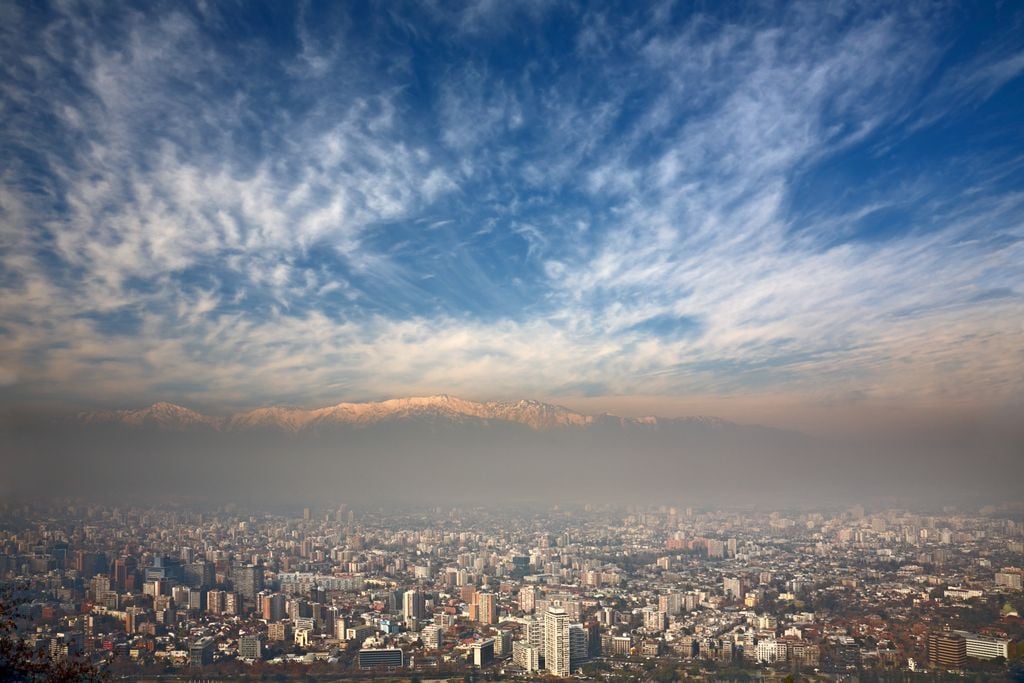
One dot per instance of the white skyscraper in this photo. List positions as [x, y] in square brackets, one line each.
[556, 641]
[528, 598]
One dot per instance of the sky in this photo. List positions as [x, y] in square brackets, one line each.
[773, 211]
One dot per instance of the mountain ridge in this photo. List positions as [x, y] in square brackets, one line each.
[536, 415]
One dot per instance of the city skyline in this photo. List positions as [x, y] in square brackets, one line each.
[794, 215]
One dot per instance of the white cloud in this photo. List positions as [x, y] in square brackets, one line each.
[210, 248]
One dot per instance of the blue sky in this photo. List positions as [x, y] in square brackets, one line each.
[236, 204]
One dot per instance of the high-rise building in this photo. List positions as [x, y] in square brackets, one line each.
[413, 605]
[556, 641]
[487, 608]
[122, 568]
[716, 548]
[431, 636]
[468, 595]
[503, 643]
[526, 656]
[528, 598]
[248, 581]
[100, 584]
[215, 602]
[671, 603]
[180, 595]
[534, 633]
[483, 652]
[340, 625]
[279, 631]
[164, 568]
[654, 619]
[734, 587]
[231, 603]
[593, 632]
[274, 607]
[199, 574]
[577, 645]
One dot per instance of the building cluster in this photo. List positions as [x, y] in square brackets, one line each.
[521, 591]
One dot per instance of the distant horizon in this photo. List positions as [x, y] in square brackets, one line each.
[824, 419]
[1009, 508]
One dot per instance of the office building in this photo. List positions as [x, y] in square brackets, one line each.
[985, 647]
[577, 645]
[388, 658]
[200, 652]
[482, 652]
[248, 581]
[199, 574]
[250, 647]
[947, 650]
[503, 643]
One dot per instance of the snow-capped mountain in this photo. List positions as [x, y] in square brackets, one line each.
[533, 414]
[163, 415]
[421, 448]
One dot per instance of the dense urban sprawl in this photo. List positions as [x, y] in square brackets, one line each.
[592, 591]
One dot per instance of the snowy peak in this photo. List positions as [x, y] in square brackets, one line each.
[163, 415]
[281, 417]
[533, 414]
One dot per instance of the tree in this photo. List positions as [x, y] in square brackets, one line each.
[20, 661]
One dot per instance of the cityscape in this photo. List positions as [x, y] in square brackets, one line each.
[451, 341]
[444, 593]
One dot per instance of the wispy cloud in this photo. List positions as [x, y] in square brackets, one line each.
[197, 208]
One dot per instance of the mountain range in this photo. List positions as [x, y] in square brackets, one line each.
[433, 449]
[536, 415]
